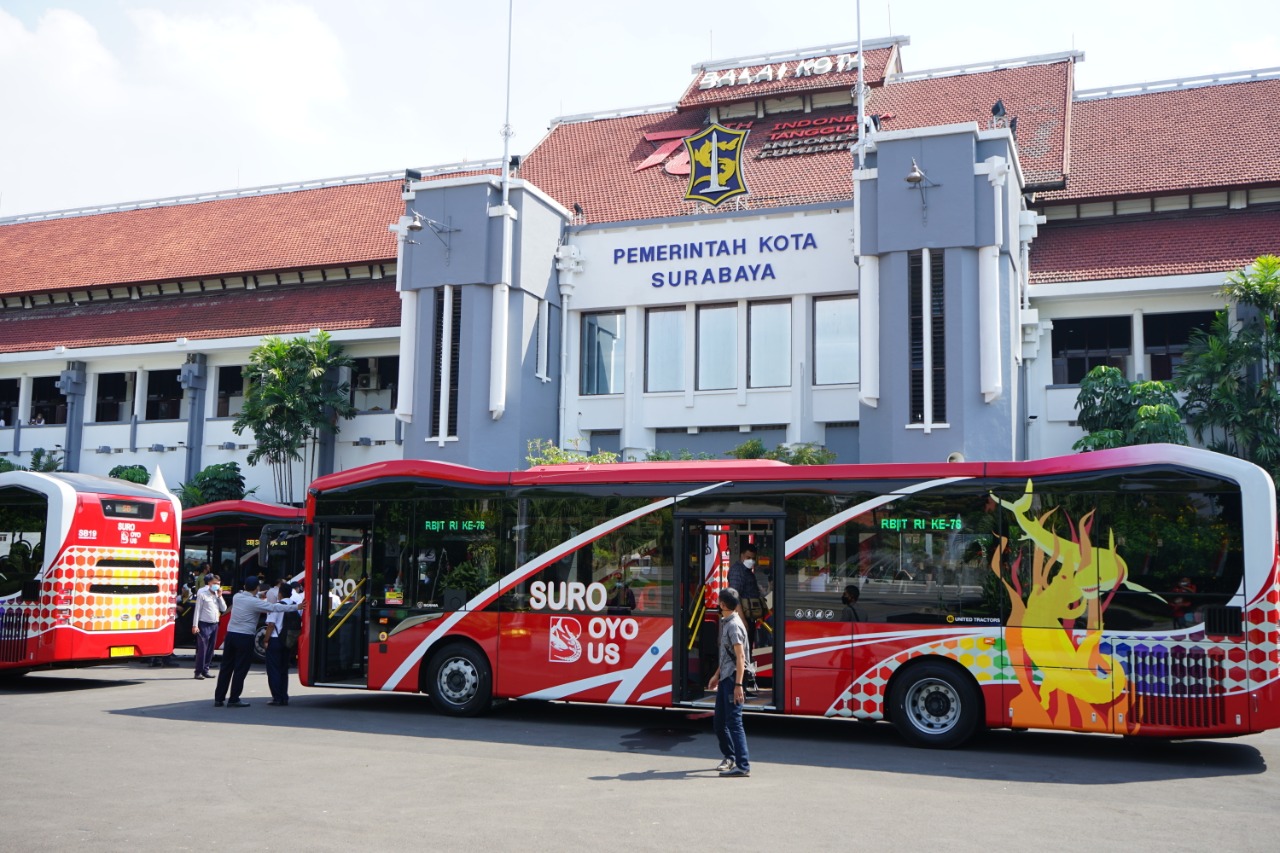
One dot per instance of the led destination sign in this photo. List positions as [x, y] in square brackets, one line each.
[441, 525]
[920, 524]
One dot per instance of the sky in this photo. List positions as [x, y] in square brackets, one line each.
[110, 101]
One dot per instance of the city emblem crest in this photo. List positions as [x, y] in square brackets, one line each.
[715, 158]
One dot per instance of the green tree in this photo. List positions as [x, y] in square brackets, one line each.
[802, 453]
[43, 460]
[542, 451]
[1117, 413]
[220, 482]
[290, 400]
[131, 473]
[1229, 373]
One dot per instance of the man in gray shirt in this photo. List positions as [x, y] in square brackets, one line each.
[727, 682]
[237, 648]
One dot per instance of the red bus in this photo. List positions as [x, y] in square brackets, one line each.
[225, 535]
[88, 570]
[1129, 591]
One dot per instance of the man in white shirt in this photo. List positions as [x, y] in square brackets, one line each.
[209, 607]
[278, 648]
[237, 647]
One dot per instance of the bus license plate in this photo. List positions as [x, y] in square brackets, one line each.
[122, 651]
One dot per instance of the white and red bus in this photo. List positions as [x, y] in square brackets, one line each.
[224, 536]
[88, 570]
[1130, 591]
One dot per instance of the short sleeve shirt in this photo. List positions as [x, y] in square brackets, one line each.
[732, 633]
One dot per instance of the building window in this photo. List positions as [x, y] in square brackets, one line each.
[664, 349]
[164, 395]
[603, 347]
[768, 344]
[542, 346]
[1165, 338]
[445, 361]
[8, 401]
[717, 347]
[373, 383]
[114, 402]
[230, 391]
[1079, 345]
[835, 340]
[927, 337]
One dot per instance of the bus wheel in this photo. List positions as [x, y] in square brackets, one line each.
[460, 682]
[935, 706]
[260, 643]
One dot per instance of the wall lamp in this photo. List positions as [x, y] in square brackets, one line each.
[917, 180]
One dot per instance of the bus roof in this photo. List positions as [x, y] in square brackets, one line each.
[222, 513]
[757, 470]
[43, 481]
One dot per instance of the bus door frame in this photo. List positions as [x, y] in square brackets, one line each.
[319, 607]
[687, 602]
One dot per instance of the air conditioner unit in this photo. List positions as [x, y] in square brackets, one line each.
[367, 382]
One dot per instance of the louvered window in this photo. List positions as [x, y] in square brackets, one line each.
[927, 337]
[448, 339]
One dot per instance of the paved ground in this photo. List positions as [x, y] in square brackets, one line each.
[132, 757]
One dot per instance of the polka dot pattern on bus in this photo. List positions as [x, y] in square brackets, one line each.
[77, 571]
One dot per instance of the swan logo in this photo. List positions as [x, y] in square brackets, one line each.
[564, 646]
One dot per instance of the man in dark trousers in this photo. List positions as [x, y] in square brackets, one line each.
[237, 648]
[730, 693]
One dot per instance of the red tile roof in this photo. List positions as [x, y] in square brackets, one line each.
[598, 163]
[333, 226]
[875, 62]
[1174, 142]
[1038, 95]
[1201, 242]
[282, 310]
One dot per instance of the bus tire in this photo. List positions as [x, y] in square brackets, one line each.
[260, 644]
[460, 681]
[935, 705]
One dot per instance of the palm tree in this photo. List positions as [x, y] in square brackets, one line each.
[291, 398]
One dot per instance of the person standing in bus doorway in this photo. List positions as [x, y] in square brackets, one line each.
[730, 693]
[278, 649]
[237, 648]
[209, 607]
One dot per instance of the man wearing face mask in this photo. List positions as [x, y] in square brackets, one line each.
[742, 577]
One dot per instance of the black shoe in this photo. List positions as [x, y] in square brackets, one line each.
[217, 703]
[236, 703]
[274, 702]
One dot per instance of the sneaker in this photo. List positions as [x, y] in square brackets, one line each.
[236, 703]
[727, 764]
[735, 771]
[199, 677]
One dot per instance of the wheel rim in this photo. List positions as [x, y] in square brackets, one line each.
[458, 681]
[933, 706]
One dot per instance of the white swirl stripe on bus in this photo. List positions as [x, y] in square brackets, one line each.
[804, 537]
[537, 564]
[627, 679]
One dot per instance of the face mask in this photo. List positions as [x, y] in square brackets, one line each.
[749, 563]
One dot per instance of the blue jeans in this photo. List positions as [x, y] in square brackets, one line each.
[205, 641]
[728, 726]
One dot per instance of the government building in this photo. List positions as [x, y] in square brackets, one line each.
[751, 261]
